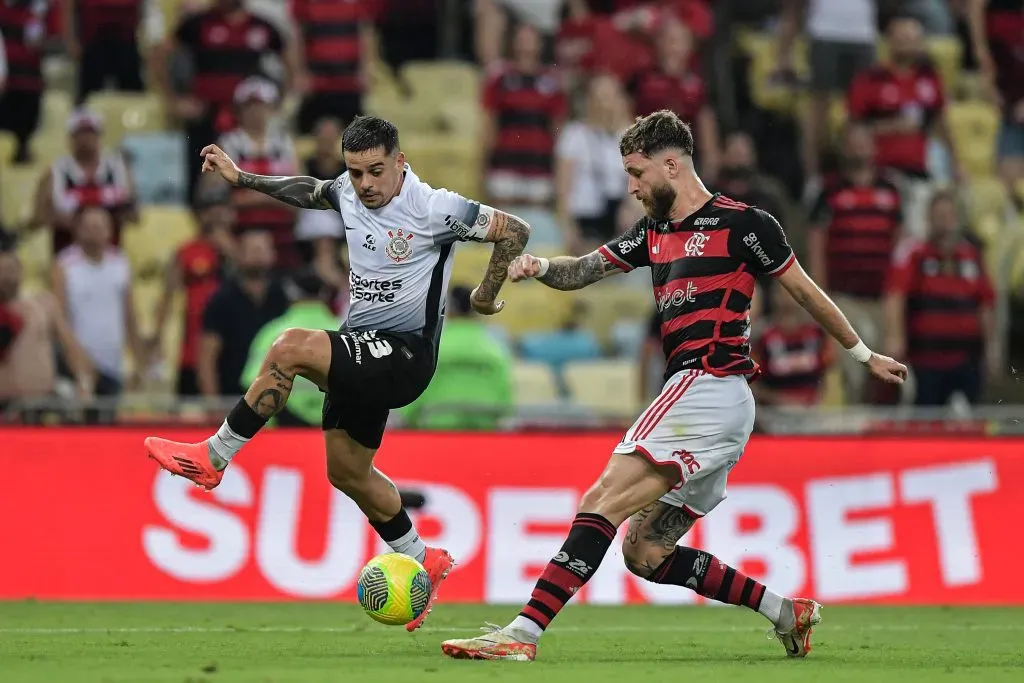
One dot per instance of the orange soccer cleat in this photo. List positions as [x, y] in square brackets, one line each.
[437, 563]
[189, 460]
[806, 615]
[497, 643]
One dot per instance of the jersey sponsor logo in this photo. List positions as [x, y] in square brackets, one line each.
[757, 250]
[371, 291]
[678, 297]
[695, 245]
[369, 242]
[626, 246]
[399, 246]
[461, 230]
[706, 221]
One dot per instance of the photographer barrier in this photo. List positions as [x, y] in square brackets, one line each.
[85, 515]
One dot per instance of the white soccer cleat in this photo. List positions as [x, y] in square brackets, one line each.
[497, 643]
[806, 615]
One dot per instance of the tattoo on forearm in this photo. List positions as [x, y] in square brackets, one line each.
[302, 192]
[515, 235]
[568, 272]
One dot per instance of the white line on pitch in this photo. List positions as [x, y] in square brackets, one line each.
[470, 629]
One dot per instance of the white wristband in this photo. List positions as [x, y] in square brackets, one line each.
[861, 353]
[544, 265]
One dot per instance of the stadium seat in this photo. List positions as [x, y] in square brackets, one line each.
[451, 162]
[127, 113]
[17, 193]
[987, 205]
[559, 347]
[945, 52]
[8, 145]
[608, 387]
[305, 147]
[151, 245]
[974, 126]
[532, 307]
[766, 94]
[470, 263]
[35, 250]
[436, 82]
[534, 384]
[627, 337]
[609, 303]
[834, 395]
[57, 106]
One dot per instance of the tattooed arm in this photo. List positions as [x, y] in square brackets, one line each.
[564, 272]
[509, 236]
[302, 192]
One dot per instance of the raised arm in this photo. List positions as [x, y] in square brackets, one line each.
[509, 235]
[302, 192]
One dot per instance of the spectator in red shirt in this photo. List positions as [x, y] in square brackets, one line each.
[197, 270]
[997, 34]
[588, 42]
[23, 25]
[794, 354]
[525, 105]
[856, 221]
[672, 85]
[939, 310]
[904, 103]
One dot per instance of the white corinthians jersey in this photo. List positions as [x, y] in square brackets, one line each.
[401, 254]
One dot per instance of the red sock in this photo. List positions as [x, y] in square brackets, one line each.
[581, 554]
[710, 577]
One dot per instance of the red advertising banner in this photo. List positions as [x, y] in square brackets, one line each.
[84, 515]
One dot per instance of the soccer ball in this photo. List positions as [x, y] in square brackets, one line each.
[393, 588]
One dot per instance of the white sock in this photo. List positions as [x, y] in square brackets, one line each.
[771, 607]
[528, 626]
[410, 544]
[224, 445]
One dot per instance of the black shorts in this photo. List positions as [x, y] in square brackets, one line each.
[371, 373]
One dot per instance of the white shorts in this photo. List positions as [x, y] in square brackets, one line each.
[699, 423]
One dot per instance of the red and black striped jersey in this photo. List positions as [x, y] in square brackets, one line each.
[23, 27]
[333, 46]
[945, 294]
[794, 361]
[703, 269]
[861, 224]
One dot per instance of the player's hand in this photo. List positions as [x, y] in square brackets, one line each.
[485, 306]
[216, 160]
[523, 267]
[886, 369]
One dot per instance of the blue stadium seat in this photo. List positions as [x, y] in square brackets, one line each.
[559, 347]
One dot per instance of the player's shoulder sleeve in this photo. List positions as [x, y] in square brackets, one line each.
[629, 250]
[757, 239]
[451, 217]
[333, 192]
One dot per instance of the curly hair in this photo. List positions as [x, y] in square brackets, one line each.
[656, 132]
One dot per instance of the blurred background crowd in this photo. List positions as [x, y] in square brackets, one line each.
[886, 135]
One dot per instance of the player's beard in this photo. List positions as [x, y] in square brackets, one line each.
[659, 206]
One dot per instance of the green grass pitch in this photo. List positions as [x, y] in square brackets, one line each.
[303, 643]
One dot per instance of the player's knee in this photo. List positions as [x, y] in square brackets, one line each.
[289, 348]
[347, 478]
[642, 558]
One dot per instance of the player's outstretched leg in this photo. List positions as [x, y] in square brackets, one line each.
[627, 483]
[350, 470]
[650, 551]
[295, 352]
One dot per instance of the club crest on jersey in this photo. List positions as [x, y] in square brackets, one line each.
[399, 246]
[695, 245]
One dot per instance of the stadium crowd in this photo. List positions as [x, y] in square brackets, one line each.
[886, 135]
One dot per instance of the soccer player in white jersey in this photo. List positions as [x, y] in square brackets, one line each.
[671, 467]
[401, 235]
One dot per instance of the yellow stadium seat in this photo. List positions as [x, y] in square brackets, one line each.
[35, 250]
[986, 195]
[437, 82]
[125, 113]
[8, 145]
[532, 307]
[17, 193]
[470, 263]
[151, 245]
[452, 162]
[834, 394]
[945, 52]
[762, 50]
[608, 387]
[534, 384]
[57, 106]
[611, 302]
[974, 127]
[305, 147]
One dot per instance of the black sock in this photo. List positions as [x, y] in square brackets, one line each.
[589, 539]
[245, 421]
[399, 533]
[708, 576]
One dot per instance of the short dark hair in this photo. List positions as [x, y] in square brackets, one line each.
[370, 132]
[308, 284]
[655, 133]
[459, 300]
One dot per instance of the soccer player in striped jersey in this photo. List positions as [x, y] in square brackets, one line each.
[671, 467]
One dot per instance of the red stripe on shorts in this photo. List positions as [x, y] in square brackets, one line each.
[657, 415]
